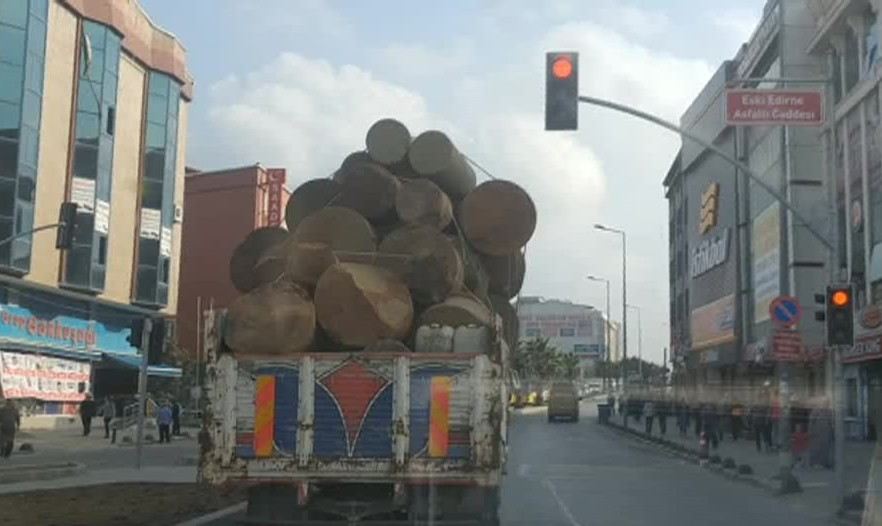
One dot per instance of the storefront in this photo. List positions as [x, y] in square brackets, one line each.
[54, 350]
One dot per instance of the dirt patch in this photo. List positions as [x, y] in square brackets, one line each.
[147, 504]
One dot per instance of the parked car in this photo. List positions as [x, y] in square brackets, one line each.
[563, 401]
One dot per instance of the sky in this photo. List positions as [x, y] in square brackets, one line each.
[297, 83]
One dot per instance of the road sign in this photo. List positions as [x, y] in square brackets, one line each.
[787, 345]
[785, 311]
[763, 107]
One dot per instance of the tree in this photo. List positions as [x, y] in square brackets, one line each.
[568, 366]
[537, 358]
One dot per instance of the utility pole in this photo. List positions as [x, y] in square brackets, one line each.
[142, 389]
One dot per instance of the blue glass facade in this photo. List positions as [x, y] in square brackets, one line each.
[22, 59]
[157, 191]
[86, 262]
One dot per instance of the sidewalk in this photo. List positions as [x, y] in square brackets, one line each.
[818, 484]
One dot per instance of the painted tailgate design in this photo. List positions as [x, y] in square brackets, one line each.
[353, 409]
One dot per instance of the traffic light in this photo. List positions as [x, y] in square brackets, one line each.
[137, 333]
[562, 90]
[157, 342]
[840, 315]
[67, 222]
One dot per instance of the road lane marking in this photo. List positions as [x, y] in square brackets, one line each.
[560, 503]
[524, 470]
[216, 515]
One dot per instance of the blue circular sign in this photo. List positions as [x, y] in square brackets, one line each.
[785, 311]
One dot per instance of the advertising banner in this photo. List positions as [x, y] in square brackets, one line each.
[21, 325]
[43, 377]
[714, 323]
[766, 249]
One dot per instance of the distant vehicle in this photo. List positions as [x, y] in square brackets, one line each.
[563, 401]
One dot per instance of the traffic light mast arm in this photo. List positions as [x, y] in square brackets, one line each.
[731, 160]
[28, 232]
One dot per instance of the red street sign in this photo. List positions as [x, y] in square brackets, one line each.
[787, 345]
[276, 178]
[760, 107]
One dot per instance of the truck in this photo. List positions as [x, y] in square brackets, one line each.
[345, 437]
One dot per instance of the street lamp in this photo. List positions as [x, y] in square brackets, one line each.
[624, 299]
[639, 342]
[607, 322]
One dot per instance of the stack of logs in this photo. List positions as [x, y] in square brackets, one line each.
[400, 236]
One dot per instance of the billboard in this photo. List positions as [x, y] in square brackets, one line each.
[768, 107]
[766, 250]
[43, 377]
[714, 323]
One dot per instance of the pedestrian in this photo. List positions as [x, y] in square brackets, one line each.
[661, 411]
[711, 419]
[695, 409]
[87, 413]
[737, 417]
[775, 420]
[10, 421]
[683, 417]
[176, 418]
[800, 445]
[118, 417]
[107, 412]
[648, 415]
[164, 419]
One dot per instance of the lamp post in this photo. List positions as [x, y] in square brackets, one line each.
[624, 300]
[639, 342]
[606, 327]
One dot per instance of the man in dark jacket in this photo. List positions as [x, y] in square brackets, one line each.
[88, 409]
[176, 418]
[9, 423]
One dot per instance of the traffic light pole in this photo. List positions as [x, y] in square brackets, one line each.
[142, 390]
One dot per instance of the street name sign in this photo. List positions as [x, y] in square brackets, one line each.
[769, 107]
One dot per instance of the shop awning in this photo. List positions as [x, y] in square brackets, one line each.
[133, 361]
[71, 354]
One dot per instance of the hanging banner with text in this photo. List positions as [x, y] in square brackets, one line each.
[276, 179]
[43, 377]
[769, 107]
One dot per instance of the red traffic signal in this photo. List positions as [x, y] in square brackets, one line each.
[840, 298]
[840, 315]
[562, 90]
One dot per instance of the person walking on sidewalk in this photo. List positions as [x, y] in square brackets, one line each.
[737, 419]
[10, 421]
[164, 419]
[648, 414]
[683, 417]
[107, 412]
[176, 418]
[88, 409]
[662, 408]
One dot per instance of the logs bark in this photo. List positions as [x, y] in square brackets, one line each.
[339, 228]
[433, 155]
[251, 250]
[497, 217]
[457, 311]
[388, 141]
[370, 190]
[437, 269]
[422, 202]
[505, 273]
[276, 318]
[308, 198]
[360, 304]
[306, 262]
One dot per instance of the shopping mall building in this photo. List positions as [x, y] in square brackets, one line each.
[93, 110]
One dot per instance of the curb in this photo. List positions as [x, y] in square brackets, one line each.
[31, 472]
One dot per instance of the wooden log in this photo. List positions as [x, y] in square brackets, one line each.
[337, 227]
[271, 264]
[506, 273]
[308, 198]
[306, 262]
[249, 252]
[510, 323]
[350, 164]
[476, 279]
[433, 155]
[370, 190]
[436, 270]
[359, 304]
[390, 346]
[497, 217]
[275, 318]
[387, 141]
[422, 202]
[456, 311]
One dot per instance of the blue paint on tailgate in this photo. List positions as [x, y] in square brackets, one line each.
[330, 431]
[375, 437]
[287, 400]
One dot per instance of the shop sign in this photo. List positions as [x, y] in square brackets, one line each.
[21, 325]
[863, 350]
[276, 178]
[709, 254]
[43, 377]
[714, 323]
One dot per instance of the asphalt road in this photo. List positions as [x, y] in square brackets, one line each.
[583, 474]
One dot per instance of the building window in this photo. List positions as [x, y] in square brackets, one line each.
[157, 191]
[567, 332]
[22, 55]
[85, 265]
[532, 333]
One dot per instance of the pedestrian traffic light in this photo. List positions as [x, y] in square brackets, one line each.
[157, 342]
[67, 222]
[840, 315]
[561, 90]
